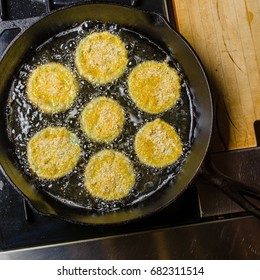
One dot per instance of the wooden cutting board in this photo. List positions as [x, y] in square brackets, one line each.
[226, 36]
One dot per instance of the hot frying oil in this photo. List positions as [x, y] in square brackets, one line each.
[24, 119]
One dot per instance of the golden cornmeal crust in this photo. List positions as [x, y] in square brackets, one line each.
[109, 175]
[52, 88]
[102, 119]
[101, 57]
[53, 152]
[154, 86]
[157, 144]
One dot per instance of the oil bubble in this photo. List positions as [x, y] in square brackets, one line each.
[149, 185]
[85, 26]
[71, 45]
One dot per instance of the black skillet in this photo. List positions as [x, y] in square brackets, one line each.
[158, 30]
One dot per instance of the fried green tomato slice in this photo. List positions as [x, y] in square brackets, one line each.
[52, 88]
[102, 119]
[101, 57]
[154, 86]
[157, 144]
[53, 152]
[109, 175]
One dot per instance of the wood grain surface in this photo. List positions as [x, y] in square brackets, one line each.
[226, 36]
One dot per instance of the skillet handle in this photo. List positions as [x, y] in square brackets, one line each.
[237, 191]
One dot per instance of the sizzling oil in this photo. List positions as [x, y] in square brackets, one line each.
[24, 120]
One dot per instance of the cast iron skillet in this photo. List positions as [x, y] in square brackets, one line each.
[158, 30]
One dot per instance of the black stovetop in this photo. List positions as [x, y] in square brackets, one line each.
[21, 227]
